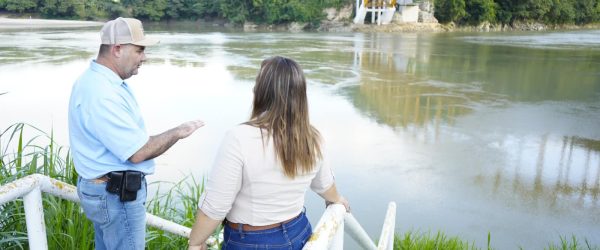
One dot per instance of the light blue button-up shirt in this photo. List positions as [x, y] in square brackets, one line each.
[105, 124]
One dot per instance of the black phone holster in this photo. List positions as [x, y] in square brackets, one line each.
[125, 184]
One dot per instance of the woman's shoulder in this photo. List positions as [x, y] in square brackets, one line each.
[243, 130]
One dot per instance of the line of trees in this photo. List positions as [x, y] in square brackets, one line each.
[236, 11]
[474, 12]
[471, 12]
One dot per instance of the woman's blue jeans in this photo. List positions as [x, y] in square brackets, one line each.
[117, 225]
[291, 235]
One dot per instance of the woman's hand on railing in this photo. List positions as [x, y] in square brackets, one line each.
[198, 247]
[332, 196]
[341, 200]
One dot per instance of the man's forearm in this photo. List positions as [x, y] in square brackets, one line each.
[158, 144]
[155, 146]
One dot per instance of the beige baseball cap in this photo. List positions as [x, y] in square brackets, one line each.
[125, 31]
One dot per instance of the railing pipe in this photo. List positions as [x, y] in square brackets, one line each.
[386, 239]
[167, 225]
[328, 234]
[58, 188]
[18, 188]
[353, 228]
[326, 229]
[337, 243]
[34, 218]
[30, 188]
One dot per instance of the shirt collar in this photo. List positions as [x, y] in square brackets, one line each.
[110, 75]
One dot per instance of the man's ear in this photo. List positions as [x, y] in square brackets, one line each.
[116, 50]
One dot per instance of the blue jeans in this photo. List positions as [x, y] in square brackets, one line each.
[291, 235]
[117, 225]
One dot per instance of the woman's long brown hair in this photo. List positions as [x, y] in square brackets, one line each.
[280, 107]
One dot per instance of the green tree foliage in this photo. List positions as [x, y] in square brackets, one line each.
[111, 9]
[561, 11]
[284, 11]
[547, 11]
[206, 8]
[236, 11]
[504, 11]
[480, 11]
[537, 9]
[271, 11]
[275, 11]
[182, 9]
[19, 6]
[62, 8]
[147, 9]
[474, 12]
[449, 10]
[309, 13]
[470, 12]
[587, 11]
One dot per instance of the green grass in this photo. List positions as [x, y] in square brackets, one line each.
[422, 241]
[572, 243]
[438, 241]
[178, 204]
[67, 227]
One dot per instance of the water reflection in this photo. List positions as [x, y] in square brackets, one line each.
[572, 179]
[393, 90]
[417, 84]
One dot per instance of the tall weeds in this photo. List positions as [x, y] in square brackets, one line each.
[66, 224]
[421, 241]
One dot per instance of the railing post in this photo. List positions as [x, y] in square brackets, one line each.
[327, 230]
[34, 217]
[31, 187]
[355, 231]
[337, 243]
[386, 239]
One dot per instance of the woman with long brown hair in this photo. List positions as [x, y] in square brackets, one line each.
[264, 167]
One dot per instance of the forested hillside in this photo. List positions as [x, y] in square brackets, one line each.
[473, 12]
[462, 12]
[236, 11]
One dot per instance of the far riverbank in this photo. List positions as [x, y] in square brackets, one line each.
[11, 23]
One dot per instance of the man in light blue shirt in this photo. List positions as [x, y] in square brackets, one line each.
[109, 139]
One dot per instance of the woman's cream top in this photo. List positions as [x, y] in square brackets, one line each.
[247, 183]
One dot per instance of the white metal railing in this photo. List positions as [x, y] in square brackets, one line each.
[328, 234]
[31, 187]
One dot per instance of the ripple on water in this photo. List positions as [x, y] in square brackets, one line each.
[588, 39]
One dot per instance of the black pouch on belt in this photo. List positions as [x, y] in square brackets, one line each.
[115, 181]
[132, 182]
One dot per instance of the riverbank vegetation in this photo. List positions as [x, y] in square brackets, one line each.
[461, 12]
[235, 11]
[68, 228]
[509, 12]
